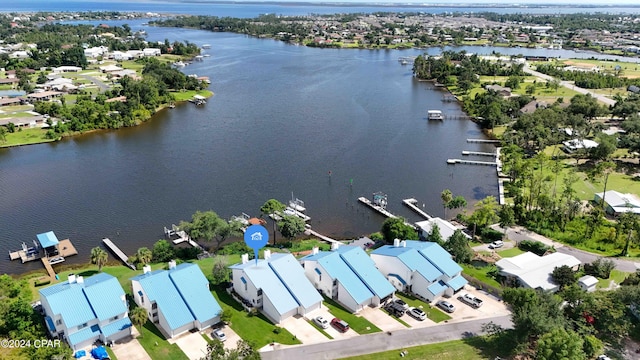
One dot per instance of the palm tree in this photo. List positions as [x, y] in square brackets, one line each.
[138, 316]
[99, 257]
[144, 255]
[446, 197]
[272, 206]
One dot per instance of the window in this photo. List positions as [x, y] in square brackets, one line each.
[154, 314]
[82, 326]
[335, 282]
[245, 286]
[259, 292]
[115, 318]
[59, 322]
[154, 306]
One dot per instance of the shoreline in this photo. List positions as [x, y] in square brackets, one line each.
[208, 94]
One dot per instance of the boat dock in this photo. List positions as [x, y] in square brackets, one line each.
[487, 141]
[411, 203]
[291, 212]
[470, 162]
[308, 231]
[117, 252]
[375, 207]
[49, 268]
[478, 153]
[180, 236]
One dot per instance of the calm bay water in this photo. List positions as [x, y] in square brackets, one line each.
[282, 117]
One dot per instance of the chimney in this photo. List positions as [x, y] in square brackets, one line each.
[396, 242]
[314, 251]
[245, 258]
[146, 269]
[403, 243]
[334, 246]
[267, 254]
[172, 264]
[72, 278]
[79, 279]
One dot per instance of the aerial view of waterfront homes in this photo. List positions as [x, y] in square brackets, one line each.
[546, 270]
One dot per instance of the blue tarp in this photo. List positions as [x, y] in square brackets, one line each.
[99, 353]
[79, 354]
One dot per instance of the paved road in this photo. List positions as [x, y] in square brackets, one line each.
[569, 85]
[103, 87]
[373, 343]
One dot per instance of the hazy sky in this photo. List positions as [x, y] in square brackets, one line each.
[463, 2]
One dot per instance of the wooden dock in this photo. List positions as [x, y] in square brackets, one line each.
[375, 207]
[487, 141]
[49, 268]
[479, 153]
[411, 203]
[471, 162]
[308, 231]
[117, 252]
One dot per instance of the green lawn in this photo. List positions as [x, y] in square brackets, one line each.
[510, 252]
[112, 356]
[616, 275]
[15, 115]
[433, 313]
[356, 323]
[481, 273]
[255, 329]
[25, 137]
[476, 348]
[13, 108]
[156, 346]
[186, 95]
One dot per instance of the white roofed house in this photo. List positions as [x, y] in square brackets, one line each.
[348, 275]
[422, 268]
[533, 271]
[618, 203]
[276, 285]
[445, 228]
[151, 52]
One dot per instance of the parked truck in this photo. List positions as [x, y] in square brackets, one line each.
[470, 300]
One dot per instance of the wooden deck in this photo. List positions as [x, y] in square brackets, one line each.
[66, 248]
[117, 252]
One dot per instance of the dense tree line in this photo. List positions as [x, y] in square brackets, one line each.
[568, 22]
[587, 79]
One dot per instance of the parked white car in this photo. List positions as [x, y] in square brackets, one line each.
[218, 334]
[321, 321]
[496, 244]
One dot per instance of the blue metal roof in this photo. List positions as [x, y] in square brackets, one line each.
[437, 288]
[457, 282]
[47, 239]
[412, 259]
[437, 256]
[366, 270]
[289, 271]
[84, 334]
[194, 288]
[70, 302]
[116, 326]
[263, 277]
[338, 269]
[159, 288]
[105, 296]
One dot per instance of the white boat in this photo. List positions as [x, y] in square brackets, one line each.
[434, 115]
[296, 204]
[206, 46]
[179, 64]
[206, 55]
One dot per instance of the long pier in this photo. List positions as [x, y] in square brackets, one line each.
[375, 207]
[488, 141]
[479, 153]
[471, 162]
[411, 203]
[308, 231]
[119, 253]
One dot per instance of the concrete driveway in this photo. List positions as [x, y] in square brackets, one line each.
[381, 319]
[491, 306]
[232, 337]
[324, 312]
[192, 344]
[129, 348]
[305, 332]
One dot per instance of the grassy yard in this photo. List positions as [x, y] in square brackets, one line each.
[616, 275]
[156, 346]
[468, 349]
[255, 329]
[628, 69]
[481, 273]
[16, 115]
[356, 323]
[112, 356]
[510, 252]
[14, 108]
[433, 313]
[25, 137]
[186, 95]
